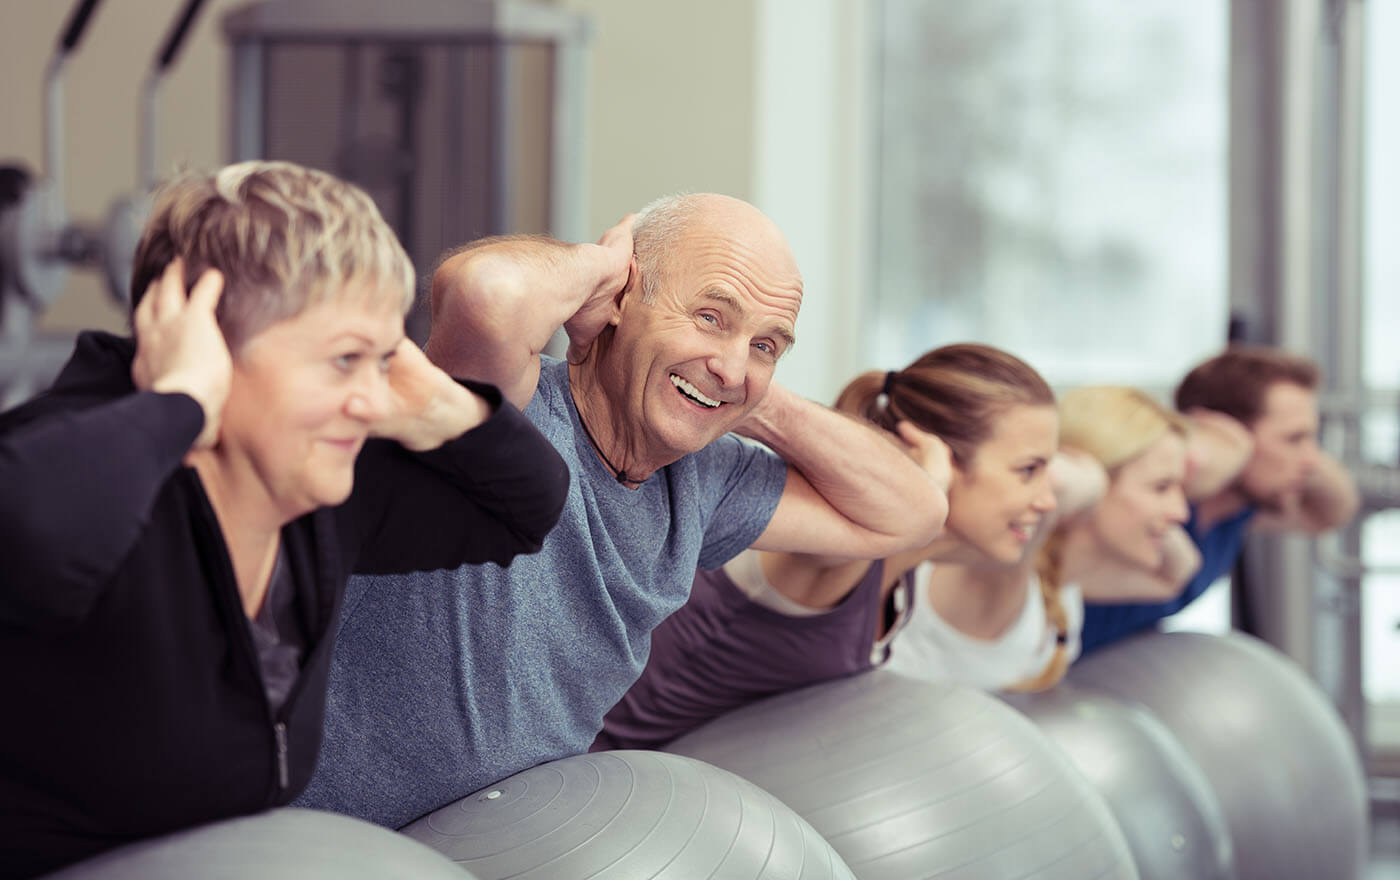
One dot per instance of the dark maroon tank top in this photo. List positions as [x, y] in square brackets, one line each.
[722, 650]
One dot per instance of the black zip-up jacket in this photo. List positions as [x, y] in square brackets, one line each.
[132, 693]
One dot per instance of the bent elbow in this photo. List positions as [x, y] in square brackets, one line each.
[477, 291]
[918, 528]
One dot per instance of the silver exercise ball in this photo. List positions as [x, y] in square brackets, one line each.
[627, 815]
[908, 778]
[1283, 766]
[287, 844]
[1163, 802]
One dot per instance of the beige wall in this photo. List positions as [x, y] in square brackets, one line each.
[102, 85]
[670, 101]
[670, 107]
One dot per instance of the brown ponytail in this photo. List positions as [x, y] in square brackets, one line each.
[956, 392]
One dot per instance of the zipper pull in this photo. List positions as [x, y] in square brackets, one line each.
[279, 732]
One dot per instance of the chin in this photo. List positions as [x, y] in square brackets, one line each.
[1010, 555]
[331, 493]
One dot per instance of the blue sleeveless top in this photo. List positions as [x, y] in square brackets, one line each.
[1105, 623]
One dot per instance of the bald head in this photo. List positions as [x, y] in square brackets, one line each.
[663, 227]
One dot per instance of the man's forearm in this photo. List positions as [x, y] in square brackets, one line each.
[1218, 449]
[883, 500]
[496, 304]
[1329, 499]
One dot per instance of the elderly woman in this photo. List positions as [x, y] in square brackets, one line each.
[181, 511]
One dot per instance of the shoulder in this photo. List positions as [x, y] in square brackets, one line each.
[550, 409]
[731, 459]
[99, 370]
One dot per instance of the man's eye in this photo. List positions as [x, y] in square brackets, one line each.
[709, 318]
[764, 347]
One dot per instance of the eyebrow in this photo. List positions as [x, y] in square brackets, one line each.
[728, 299]
[357, 336]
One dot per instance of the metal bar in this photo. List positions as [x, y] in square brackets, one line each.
[568, 142]
[504, 134]
[248, 105]
[150, 89]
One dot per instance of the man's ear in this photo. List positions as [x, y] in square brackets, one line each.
[631, 290]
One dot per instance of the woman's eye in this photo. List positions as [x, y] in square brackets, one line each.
[386, 363]
[346, 362]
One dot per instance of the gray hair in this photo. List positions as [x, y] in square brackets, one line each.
[655, 234]
[285, 238]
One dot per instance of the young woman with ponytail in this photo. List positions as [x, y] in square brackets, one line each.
[1017, 627]
[771, 622]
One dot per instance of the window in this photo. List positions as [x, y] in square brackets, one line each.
[1052, 180]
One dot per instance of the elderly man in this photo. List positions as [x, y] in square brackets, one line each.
[446, 682]
[1256, 464]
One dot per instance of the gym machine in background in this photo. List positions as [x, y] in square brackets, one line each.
[461, 119]
[40, 243]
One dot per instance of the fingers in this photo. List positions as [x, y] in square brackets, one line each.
[170, 290]
[620, 231]
[915, 436]
[634, 273]
[207, 290]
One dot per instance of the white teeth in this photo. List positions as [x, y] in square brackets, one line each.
[692, 392]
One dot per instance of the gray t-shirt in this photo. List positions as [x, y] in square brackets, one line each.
[447, 681]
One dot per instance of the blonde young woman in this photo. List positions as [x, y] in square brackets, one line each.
[1018, 627]
[771, 622]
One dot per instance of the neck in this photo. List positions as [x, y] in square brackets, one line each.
[250, 524]
[980, 601]
[942, 548]
[603, 424]
[1079, 552]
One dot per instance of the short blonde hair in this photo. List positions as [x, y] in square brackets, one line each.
[285, 238]
[1115, 424]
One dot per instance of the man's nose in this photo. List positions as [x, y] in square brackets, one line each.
[730, 362]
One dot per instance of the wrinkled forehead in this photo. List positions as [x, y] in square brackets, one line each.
[758, 268]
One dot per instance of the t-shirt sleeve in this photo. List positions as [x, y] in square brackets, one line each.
[740, 485]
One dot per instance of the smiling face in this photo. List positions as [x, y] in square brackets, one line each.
[688, 365]
[303, 396]
[998, 498]
[1144, 500]
[1285, 444]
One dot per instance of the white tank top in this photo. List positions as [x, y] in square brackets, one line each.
[928, 647]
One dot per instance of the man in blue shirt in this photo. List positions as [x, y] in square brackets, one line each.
[1256, 465]
[448, 681]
